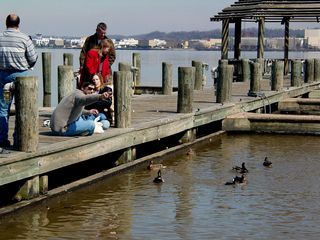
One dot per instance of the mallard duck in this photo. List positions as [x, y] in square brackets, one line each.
[153, 166]
[267, 162]
[159, 178]
[241, 169]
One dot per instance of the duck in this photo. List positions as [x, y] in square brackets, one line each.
[159, 178]
[153, 166]
[267, 162]
[237, 180]
[241, 169]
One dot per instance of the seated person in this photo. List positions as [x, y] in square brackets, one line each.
[69, 117]
[103, 106]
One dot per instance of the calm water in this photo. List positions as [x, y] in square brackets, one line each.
[151, 63]
[281, 202]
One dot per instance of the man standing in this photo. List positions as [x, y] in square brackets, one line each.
[93, 42]
[17, 55]
[69, 117]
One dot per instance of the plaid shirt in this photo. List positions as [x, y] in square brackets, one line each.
[17, 51]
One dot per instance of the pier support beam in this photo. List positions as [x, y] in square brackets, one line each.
[224, 83]
[317, 69]
[46, 74]
[186, 77]
[225, 39]
[260, 53]
[256, 77]
[309, 71]
[122, 104]
[166, 78]
[245, 70]
[237, 39]
[30, 189]
[277, 75]
[296, 73]
[286, 21]
[68, 59]
[27, 114]
[136, 62]
[65, 77]
[198, 75]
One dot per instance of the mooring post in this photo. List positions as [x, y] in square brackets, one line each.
[185, 89]
[136, 62]
[166, 78]
[309, 71]
[245, 70]
[317, 69]
[296, 73]
[46, 74]
[123, 66]
[198, 74]
[65, 77]
[68, 59]
[186, 76]
[277, 75]
[224, 83]
[256, 77]
[27, 115]
[122, 111]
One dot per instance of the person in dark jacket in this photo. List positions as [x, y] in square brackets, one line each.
[93, 42]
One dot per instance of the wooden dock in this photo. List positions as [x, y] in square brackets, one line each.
[154, 118]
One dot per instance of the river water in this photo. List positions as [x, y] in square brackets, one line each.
[281, 202]
[151, 64]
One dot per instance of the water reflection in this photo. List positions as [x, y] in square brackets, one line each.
[279, 202]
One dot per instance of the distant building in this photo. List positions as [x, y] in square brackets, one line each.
[313, 37]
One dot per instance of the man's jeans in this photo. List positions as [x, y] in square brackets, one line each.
[7, 76]
[80, 127]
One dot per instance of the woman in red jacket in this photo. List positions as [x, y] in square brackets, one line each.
[96, 62]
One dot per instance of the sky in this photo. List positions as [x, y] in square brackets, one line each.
[125, 17]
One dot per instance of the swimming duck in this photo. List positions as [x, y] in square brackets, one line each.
[237, 180]
[153, 166]
[267, 162]
[241, 169]
[159, 178]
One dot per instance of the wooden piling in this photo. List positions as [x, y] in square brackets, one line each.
[166, 78]
[245, 70]
[46, 74]
[122, 98]
[123, 66]
[277, 75]
[224, 83]
[65, 77]
[186, 77]
[136, 62]
[296, 73]
[309, 71]
[256, 77]
[27, 114]
[317, 69]
[30, 189]
[68, 59]
[198, 74]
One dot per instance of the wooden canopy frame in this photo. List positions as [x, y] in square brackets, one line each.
[264, 11]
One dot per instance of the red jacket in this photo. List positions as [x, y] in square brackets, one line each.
[91, 67]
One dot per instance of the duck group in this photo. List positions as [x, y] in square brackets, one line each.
[243, 170]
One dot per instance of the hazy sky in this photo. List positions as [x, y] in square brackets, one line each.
[127, 17]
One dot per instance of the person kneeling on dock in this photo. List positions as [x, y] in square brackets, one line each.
[69, 117]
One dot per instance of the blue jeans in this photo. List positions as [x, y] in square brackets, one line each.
[80, 127]
[103, 120]
[7, 76]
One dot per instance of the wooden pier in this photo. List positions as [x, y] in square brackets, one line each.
[154, 120]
